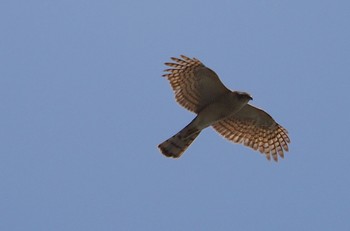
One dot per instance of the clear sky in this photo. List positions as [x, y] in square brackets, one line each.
[83, 108]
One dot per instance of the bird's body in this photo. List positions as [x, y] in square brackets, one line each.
[200, 90]
[221, 108]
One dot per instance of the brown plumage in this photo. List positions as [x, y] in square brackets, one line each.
[199, 89]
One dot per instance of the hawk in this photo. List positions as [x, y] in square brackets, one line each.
[199, 89]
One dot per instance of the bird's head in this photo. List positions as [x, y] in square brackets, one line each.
[243, 96]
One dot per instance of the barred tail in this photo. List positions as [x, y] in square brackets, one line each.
[177, 144]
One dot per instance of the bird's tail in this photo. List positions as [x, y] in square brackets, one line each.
[177, 144]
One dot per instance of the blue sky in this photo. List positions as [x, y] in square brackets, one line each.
[84, 106]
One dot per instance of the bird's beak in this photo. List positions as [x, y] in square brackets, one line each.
[250, 97]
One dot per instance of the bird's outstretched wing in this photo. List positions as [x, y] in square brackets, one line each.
[256, 129]
[194, 85]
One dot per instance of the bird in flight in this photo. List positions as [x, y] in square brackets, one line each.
[199, 89]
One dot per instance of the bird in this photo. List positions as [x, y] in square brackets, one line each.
[199, 89]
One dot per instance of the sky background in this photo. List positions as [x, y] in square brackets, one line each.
[83, 107]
